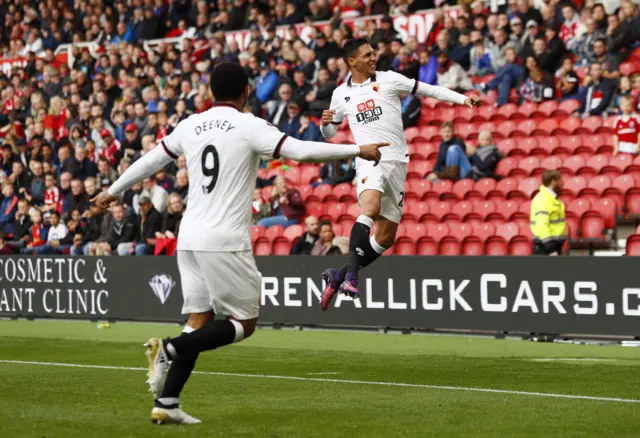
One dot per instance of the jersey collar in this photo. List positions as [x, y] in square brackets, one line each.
[224, 104]
[368, 81]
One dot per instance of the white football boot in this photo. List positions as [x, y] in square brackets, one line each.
[172, 416]
[158, 365]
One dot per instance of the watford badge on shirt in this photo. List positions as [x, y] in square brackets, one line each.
[376, 87]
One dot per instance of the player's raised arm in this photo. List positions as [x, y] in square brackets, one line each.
[332, 118]
[405, 85]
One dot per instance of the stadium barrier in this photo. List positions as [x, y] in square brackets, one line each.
[550, 295]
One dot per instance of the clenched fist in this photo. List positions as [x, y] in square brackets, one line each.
[327, 117]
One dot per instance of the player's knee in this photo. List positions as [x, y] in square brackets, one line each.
[249, 327]
[370, 206]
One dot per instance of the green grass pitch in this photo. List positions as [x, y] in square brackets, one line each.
[283, 383]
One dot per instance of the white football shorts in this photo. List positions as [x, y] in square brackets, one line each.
[388, 177]
[228, 283]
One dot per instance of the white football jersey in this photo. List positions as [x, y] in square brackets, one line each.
[223, 147]
[374, 111]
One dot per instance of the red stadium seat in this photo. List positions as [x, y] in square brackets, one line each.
[427, 246]
[462, 187]
[627, 68]
[591, 124]
[462, 209]
[507, 146]
[281, 246]
[508, 231]
[411, 133]
[569, 126]
[593, 142]
[430, 133]
[262, 247]
[551, 163]
[547, 108]
[309, 174]
[484, 230]
[621, 162]
[484, 186]
[506, 128]
[442, 188]
[485, 208]
[525, 110]
[316, 209]
[575, 184]
[607, 209]
[449, 246]
[274, 231]
[496, 246]
[623, 183]
[592, 225]
[344, 192]
[440, 209]
[529, 186]
[335, 210]
[633, 202]
[438, 231]
[460, 230]
[292, 232]
[567, 107]
[529, 165]
[323, 191]
[599, 184]
[506, 166]
[508, 110]
[256, 232]
[419, 169]
[507, 185]
[579, 207]
[633, 245]
[415, 231]
[420, 187]
[472, 246]
[508, 208]
[520, 246]
[526, 127]
[404, 246]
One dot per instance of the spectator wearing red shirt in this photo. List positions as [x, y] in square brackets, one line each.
[569, 26]
[51, 195]
[112, 146]
[38, 232]
[627, 129]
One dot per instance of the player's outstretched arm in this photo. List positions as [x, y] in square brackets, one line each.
[446, 95]
[146, 166]
[316, 151]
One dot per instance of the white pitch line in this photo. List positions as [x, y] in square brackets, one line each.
[572, 359]
[323, 374]
[355, 382]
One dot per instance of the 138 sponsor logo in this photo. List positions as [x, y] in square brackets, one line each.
[368, 112]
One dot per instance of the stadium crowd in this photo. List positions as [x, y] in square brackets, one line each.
[68, 131]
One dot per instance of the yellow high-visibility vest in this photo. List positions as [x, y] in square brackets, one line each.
[547, 217]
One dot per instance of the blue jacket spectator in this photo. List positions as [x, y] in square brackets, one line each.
[267, 84]
[597, 95]
[290, 124]
[452, 162]
[8, 206]
[308, 131]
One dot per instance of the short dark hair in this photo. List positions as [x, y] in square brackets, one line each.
[549, 176]
[601, 40]
[325, 223]
[228, 81]
[351, 47]
[447, 124]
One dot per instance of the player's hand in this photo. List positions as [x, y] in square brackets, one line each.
[104, 200]
[327, 117]
[371, 152]
[473, 101]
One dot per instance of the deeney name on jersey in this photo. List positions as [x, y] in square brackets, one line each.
[205, 126]
[368, 112]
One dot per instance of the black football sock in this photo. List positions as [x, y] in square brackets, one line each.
[177, 376]
[363, 250]
[212, 335]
